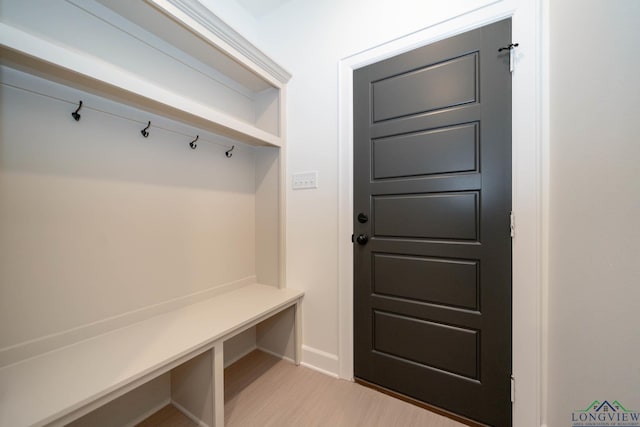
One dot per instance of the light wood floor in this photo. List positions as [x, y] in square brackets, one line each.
[261, 390]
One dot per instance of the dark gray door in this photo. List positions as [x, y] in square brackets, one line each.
[432, 182]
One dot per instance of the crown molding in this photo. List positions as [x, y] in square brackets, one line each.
[207, 19]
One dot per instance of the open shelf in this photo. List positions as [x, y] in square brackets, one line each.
[180, 61]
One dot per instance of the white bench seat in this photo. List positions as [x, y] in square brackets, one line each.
[62, 385]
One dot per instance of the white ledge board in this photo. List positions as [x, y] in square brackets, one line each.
[48, 387]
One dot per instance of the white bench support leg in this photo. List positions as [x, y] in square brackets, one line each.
[218, 384]
[298, 332]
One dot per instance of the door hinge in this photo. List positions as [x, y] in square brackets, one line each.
[513, 389]
[512, 224]
[512, 55]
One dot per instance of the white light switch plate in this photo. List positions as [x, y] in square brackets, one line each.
[305, 180]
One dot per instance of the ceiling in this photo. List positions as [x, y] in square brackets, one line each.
[259, 8]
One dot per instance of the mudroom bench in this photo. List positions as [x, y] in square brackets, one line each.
[61, 386]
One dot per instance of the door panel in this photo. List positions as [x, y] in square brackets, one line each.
[446, 356]
[432, 171]
[447, 150]
[435, 87]
[439, 281]
[429, 216]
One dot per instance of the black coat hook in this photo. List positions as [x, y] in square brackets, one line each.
[193, 144]
[75, 114]
[509, 47]
[144, 131]
[228, 152]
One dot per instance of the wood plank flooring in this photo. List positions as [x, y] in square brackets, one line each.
[261, 390]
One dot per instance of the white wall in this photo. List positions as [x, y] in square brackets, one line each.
[97, 221]
[237, 17]
[594, 257]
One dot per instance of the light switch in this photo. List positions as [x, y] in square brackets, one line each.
[305, 180]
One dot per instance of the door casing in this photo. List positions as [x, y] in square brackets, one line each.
[530, 190]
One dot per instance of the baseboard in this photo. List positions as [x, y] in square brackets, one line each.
[189, 414]
[148, 413]
[274, 354]
[320, 361]
[31, 348]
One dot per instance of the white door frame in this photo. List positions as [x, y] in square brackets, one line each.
[530, 166]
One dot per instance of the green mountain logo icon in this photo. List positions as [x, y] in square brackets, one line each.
[597, 405]
[619, 406]
[592, 407]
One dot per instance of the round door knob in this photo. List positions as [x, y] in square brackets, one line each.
[362, 239]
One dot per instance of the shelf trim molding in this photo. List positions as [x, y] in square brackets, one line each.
[207, 19]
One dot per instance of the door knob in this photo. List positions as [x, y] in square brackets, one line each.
[362, 239]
